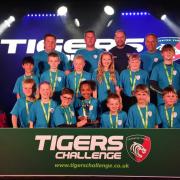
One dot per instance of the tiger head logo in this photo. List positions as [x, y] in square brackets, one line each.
[138, 147]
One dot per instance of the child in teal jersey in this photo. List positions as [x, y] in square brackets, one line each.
[54, 76]
[115, 117]
[170, 111]
[27, 65]
[78, 75]
[21, 109]
[86, 106]
[40, 115]
[64, 115]
[130, 78]
[165, 73]
[106, 79]
[143, 114]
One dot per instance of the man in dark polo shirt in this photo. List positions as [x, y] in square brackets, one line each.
[121, 50]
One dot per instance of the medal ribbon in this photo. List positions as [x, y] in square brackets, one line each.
[170, 121]
[111, 121]
[53, 83]
[107, 82]
[169, 77]
[66, 112]
[144, 121]
[77, 84]
[132, 81]
[46, 114]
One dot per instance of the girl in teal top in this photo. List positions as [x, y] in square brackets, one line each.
[106, 79]
[86, 106]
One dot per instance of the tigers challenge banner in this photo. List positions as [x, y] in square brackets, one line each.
[114, 152]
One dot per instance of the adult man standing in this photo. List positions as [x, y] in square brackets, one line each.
[41, 58]
[90, 53]
[151, 56]
[121, 50]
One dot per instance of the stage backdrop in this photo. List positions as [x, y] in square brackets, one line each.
[25, 36]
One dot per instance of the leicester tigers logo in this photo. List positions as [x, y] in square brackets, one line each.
[138, 147]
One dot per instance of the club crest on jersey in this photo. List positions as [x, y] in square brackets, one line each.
[138, 147]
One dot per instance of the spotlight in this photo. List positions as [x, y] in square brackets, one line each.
[62, 11]
[109, 10]
[163, 17]
[77, 23]
[109, 23]
[7, 23]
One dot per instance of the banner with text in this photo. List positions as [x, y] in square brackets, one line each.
[121, 152]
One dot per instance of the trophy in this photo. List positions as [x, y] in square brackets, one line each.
[86, 107]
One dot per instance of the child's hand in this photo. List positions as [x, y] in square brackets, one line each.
[82, 122]
[81, 118]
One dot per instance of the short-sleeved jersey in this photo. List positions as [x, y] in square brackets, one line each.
[73, 80]
[118, 121]
[21, 111]
[166, 118]
[149, 60]
[91, 58]
[18, 89]
[159, 74]
[87, 108]
[102, 88]
[38, 117]
[135, 120]
[138, 77]
[60, 79]
[64, 115]
[41, 62]
[120, 56]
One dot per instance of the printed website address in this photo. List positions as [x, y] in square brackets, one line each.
[91, 165]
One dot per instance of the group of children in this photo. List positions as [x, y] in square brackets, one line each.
[101, 99]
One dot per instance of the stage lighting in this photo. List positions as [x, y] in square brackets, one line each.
[109, 10]
[109, 23]
[62, 11]
[76, 22]
[163, 17]
[7, 23]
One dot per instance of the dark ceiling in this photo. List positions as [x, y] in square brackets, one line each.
[81, 7]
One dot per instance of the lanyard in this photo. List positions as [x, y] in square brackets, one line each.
[27, 107]
[77, 84]
[46, 114]
[170, 121]
[170, 77]
[111, 122]
[144, 121]
[132, 81]
[53, 83]
[66, 112]
[107, 82]
[83, 107]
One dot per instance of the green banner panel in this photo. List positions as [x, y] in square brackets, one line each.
[122, 152]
